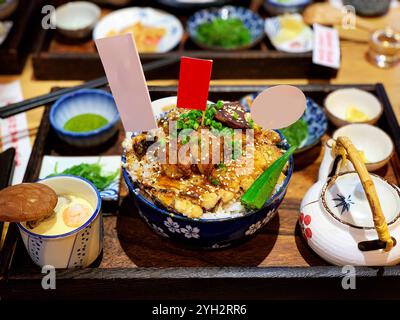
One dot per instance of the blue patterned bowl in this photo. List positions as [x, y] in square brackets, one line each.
[253, 22]
[314, 116]
[278, 7]
[80, 102]
[207, 233]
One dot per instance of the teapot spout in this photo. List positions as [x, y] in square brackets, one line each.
[327, 161]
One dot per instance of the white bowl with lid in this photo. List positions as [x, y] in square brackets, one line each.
[77, 248]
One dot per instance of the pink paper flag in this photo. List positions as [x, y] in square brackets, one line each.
[124, 72]
[278, 107]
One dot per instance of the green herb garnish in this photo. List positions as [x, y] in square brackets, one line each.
[219, 104]
[215, 182]
[260, 191]
[296, 133]
[91, 172]
[222, 166]
[225, 33]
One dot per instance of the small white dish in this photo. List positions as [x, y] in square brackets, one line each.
[287, 39]
[76, 19]
[123, 18]
[373, 142]
[109, 164]
[337, 103]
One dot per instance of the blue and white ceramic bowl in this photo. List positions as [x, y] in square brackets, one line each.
[78, 248]
[80, 102]
[253, 22]
[277, 7]
[314, 116]
[206, 233]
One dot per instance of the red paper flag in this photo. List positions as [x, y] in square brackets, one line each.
[194, 82]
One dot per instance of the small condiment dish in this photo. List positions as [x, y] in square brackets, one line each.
[76, 19]
[373, 142]
[338, 102]
[251, 20]
[86, 101]
[77, 248]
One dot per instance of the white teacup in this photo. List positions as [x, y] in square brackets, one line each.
[77, 248]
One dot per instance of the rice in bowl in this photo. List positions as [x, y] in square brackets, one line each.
[200, 188]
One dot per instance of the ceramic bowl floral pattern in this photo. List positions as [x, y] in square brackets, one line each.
[206, 233]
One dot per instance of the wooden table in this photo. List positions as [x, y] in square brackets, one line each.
[354, 69]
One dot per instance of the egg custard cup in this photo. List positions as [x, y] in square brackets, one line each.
[76, 247]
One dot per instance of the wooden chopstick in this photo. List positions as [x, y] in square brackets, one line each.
[7, 164]
[15, 108]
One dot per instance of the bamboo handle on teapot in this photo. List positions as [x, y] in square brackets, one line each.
[369, 188]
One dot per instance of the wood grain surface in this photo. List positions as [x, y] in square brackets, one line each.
[129, 243]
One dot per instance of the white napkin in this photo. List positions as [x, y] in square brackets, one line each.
[5, 28]
[14, 130]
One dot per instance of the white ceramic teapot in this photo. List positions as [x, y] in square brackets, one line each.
[351, 217]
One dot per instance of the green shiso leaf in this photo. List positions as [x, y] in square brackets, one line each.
[260, 191]
[296, 133]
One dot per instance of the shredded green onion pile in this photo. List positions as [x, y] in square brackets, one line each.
[91, 172]
[225, 33]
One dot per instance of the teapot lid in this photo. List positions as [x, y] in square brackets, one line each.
[345, 199]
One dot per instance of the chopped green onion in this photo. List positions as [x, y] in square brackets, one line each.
[260, 191]
[235, 116]
[251, 123]
[215, 182]
[222, 166]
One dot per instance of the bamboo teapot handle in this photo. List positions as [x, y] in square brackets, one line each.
[345, 147]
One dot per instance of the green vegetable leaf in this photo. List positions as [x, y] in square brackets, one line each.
[296, 133]
[225, 33]
[260, 191]
[91, 172]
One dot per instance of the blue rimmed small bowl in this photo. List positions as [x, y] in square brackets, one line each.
[207, 233]
[278, 7]
[253, 22]
[314, 116]
[77, 248]
[82, 102]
